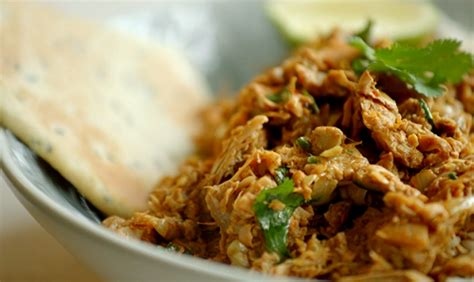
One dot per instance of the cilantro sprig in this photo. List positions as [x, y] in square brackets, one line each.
[274, 222]
[424, 69]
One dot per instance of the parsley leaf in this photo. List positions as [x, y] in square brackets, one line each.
[425, 69]
[274, 222]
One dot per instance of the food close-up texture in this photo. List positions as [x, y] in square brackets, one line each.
[347, 160]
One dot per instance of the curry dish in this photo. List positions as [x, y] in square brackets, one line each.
[319, 171]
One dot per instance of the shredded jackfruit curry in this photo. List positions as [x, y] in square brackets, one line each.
[319, 171]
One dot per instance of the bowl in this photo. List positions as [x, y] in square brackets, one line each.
[71, 219]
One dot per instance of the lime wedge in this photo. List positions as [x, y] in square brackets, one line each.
[303, 20]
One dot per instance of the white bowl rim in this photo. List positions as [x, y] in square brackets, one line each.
[47, 205]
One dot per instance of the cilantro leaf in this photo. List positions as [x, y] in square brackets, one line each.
[314, 106]
[360, 44]
[440, 61]
[274, 222]
[280, 97]
[313, 160]
[281, 173]
[426, 110]
[304, 143]
[366, 32]
[360, 65]
[425, 69]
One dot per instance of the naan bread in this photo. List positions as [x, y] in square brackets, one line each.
[110, 113]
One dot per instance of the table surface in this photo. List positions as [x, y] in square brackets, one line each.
[28, 252]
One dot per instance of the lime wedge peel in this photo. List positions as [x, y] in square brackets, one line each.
[304, 20]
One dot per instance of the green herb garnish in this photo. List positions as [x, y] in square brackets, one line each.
[275, 222]
[280, 97]
[426, 110]
[313, 160]
[452, 175]
[366, 32]
[304, 143]
[314, 106]
[280, 174]
[172, 247]
[424, 69]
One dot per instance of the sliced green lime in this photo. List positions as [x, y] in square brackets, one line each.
[303, 20]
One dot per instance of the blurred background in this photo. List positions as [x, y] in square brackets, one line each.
[459, 10]
[231, 40]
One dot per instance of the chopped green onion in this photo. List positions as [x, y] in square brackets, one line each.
[281, 173]
[175, 248]
[426, 110]
[172, 247]
[313, 160]
[304, 143]
[280, 97]
[314, 106]
[452, 175]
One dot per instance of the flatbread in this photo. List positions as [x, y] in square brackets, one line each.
[108, 112]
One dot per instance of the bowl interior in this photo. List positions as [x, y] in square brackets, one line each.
[48, 181]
